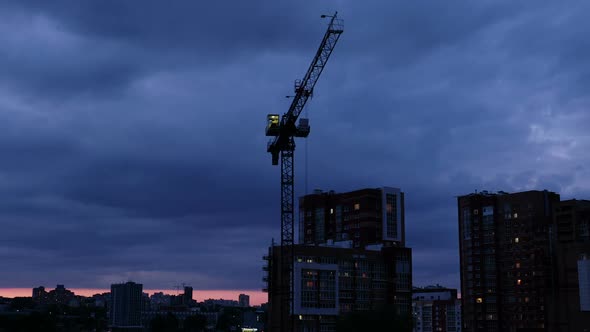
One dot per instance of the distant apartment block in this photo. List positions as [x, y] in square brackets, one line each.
[126, 306]
[244, 300]
[159, 299]
[436, 309]
[59, 296]
[568, 302]
[221, 302]
[40, 295]
[187, 296]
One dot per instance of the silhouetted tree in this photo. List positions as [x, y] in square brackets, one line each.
[167, 323]
[28, 323]
[374, 320]
[195, 323]
[230, 319]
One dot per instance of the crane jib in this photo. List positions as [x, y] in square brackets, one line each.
[305, 89]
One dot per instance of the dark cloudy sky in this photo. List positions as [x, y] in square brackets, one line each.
[132, 132]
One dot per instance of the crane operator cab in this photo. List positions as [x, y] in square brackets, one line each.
[272, 126]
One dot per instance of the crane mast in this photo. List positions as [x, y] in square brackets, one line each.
[283, 145]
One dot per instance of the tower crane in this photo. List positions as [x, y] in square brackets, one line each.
[284, 130]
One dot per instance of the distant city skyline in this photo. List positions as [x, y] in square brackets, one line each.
[257, 297]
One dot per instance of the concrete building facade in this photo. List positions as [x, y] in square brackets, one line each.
[568, 305]
[333, 280]
[351, 257]
[436, 309]
[365, 216]
[505, 260]
[244, 300]
[126, 306]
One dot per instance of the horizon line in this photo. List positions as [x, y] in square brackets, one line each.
[257, 297]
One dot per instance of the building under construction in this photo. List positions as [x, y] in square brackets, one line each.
[350, 257]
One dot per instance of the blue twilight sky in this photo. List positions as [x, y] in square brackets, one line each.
[132, 132]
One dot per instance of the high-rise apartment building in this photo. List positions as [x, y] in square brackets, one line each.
[350, 258]
[244, 300]
[436, 309]
[505, 259]
[40, 295]
[126, 305]
[364, 216]
[187, 296]
[568, 306]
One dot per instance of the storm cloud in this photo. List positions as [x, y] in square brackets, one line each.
[132, 133]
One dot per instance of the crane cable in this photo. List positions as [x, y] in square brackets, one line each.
[306, 154]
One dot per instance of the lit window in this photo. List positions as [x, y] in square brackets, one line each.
[516, 240]
[475, 211]
[479, 300]
[515, 215]
[517, 265]
[526, 300]
[357, 206]
[518, 282]
[331, 211]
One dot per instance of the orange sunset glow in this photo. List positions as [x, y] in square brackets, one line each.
[256, 297]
